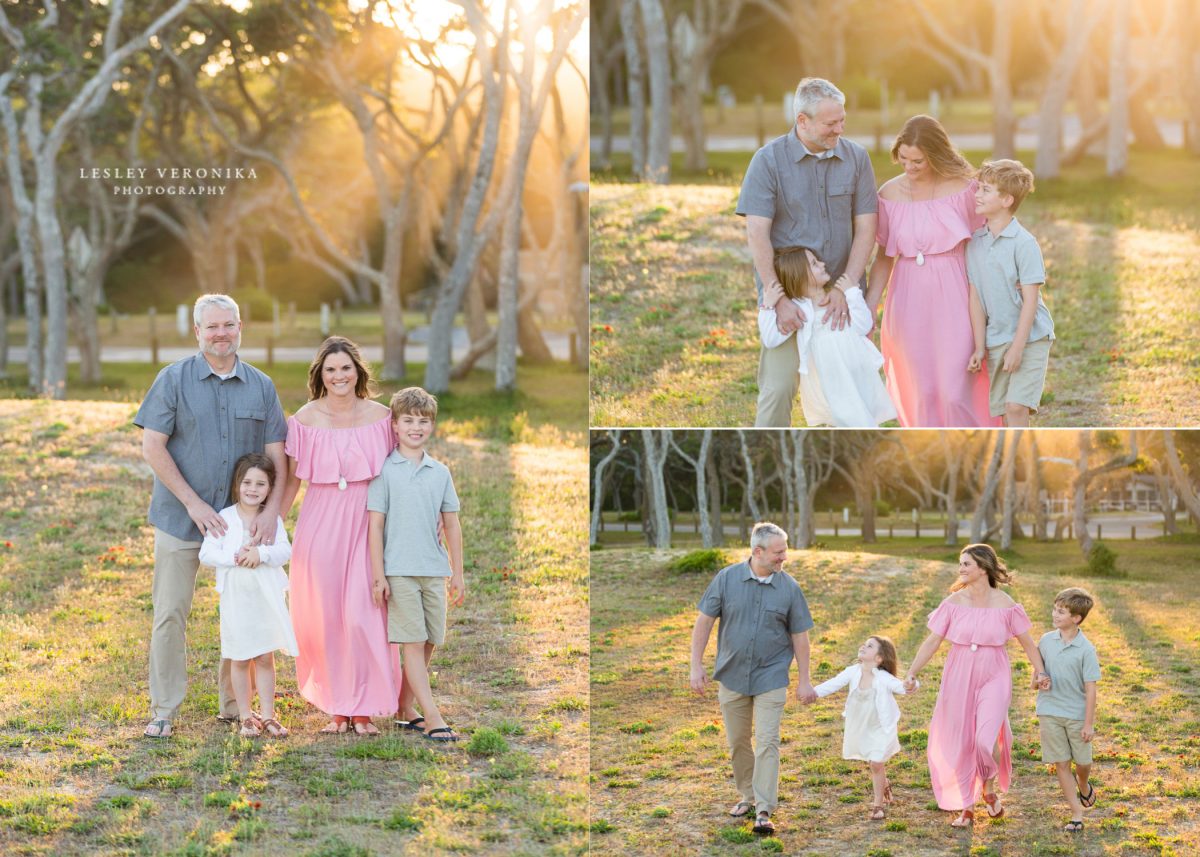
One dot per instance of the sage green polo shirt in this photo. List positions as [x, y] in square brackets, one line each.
[757, 620]
[412, 496]
[1070, 665]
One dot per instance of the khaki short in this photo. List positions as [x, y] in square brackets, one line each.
[416, 610]
[1061, 741]
[1023, 387]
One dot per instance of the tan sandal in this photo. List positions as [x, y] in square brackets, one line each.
[274, 728]
[252, 727]
[966, 818]
[992, 802]
[878, 813]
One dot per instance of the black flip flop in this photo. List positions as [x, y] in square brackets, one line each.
[413, 725]
[1073, 826]
[1089, 801]
[443, 735]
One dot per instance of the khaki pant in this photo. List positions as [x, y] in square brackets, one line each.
[175, 565]
[778, 382]
[755, 771]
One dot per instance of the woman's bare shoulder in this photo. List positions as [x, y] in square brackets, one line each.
[892, 189]
[308, 415]
[1000, 598]
[377, 409]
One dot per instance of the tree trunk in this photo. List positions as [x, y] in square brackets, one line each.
[1183, 485]
[1004, 123]
[598, 483]
[1083, 477]
[1010, 489]
[953, 462]
[1117, 156]
[656, 443]
[714, 502]
[689, 59]
[1036, 483]
[636, 82]
[987, 495]
[475, 310]
[1166, 502]
[1187, 65]
[1058, 84]
[751, 490]
[658, 53]
[700, 465]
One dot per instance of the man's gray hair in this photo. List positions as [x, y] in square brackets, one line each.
[219, 301]
[811, 92]
[763, 532]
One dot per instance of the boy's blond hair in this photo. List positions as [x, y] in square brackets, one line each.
[1010, 177]
[413, 400]
[1077, 601]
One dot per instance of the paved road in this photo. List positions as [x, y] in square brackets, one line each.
[416, 352]
[1171, 130]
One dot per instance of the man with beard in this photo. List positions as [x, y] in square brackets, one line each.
[764, 625]
[200, 416]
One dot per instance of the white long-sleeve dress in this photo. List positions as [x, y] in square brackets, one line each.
[871, 714]
[839, 369]
[254, 612]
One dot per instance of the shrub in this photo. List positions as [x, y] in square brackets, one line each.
[883, 508]
[699, 561]
[1102, 561]
[487, 742]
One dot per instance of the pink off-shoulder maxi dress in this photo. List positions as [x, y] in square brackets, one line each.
[345, 665]
[971, 713]
[926, 332]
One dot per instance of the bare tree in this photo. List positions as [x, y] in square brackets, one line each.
[614, 438]
[1035, 488]
[658, 150]
[1084, 474]
[1183, 485]
[699, 463]
[635, 82]
[1118, 91]
[43, 137]
[655, 444]
[987, 495]
[698, 39]
[1076, 23]
[1009, 505]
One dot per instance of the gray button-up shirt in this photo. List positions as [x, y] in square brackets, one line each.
[209, 424]
[757, 620]
[1070, 665]
[812, 201]
[413, 496]
[998, 266]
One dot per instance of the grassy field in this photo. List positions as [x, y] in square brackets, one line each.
[660, 771]
[75, 572]
[674, 340]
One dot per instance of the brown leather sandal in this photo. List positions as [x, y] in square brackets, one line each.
[966, 818]
[274, 728]
[252, 727]
[878, 813]
[992, 802]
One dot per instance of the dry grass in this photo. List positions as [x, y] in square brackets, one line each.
[75, 573]
[661, 775]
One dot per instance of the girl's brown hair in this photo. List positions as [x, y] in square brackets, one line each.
[791, 266]
[244, 465]
[364, 387]
[928, 135]
[985, 557]
[889, 661]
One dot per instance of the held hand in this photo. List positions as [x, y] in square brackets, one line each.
[843, 283]
[379, 591]
[206, 519]
[976, 362]
[1087, 733]
[772, 294]
[805, 693]
[262, 528]
[458, 589]
[788, 317]
[698, 680]
[910, 684]
[249, 557]
[1012, 358]
[838, 311]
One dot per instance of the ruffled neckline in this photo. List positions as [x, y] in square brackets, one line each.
[385, 417]
[969, 188]
[1012, 606]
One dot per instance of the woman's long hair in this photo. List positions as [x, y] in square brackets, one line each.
[985, 557]
[364, 387]
[928, 135]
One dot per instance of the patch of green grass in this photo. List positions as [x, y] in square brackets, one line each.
[487, 742]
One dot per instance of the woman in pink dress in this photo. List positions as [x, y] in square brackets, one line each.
[970, 742]
[926, 216]
[337, 443]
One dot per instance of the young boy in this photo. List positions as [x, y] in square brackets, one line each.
[1067, 708]
[409, 562]
[1008, 317]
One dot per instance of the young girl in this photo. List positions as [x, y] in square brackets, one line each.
[871, 712]
[839, 369]
[251, 581]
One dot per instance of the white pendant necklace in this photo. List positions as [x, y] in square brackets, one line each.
[920, 254]
[337, 449]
